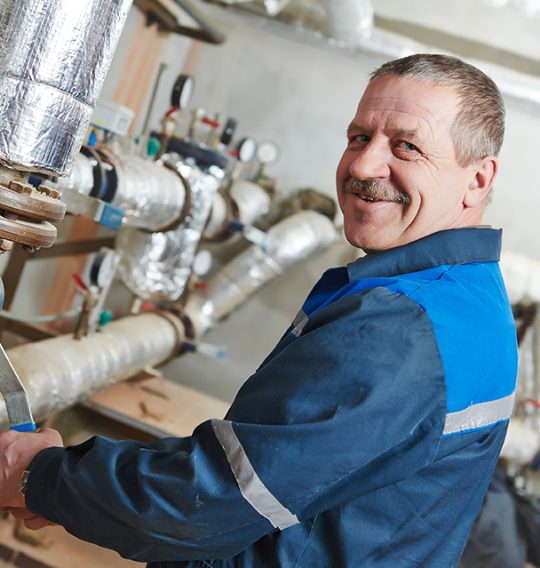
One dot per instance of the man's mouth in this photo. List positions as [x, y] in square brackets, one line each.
[373, 191]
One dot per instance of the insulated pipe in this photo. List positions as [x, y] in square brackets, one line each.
[151, 196]
[80, 179]
[54, 56]
[351, 21]
[247, 202]
[157, 266]
[60, 371]
[293, 239]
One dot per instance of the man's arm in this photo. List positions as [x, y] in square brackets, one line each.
[354, 403]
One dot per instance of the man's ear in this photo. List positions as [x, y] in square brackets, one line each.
[483, 174]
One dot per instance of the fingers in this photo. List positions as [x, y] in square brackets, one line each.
[36, 523]
[20, 512]
[31, 521]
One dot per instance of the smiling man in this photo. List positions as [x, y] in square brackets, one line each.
[368, 437]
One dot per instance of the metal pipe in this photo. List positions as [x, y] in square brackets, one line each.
[351, 21]
[293, 239]
[151, 196]
[60, 371]
[248, 201]
[158, 265]
[54, 56]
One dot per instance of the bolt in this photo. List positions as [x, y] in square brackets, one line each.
[30, 248]
[49, 191]
[5, 245]
[24, 188]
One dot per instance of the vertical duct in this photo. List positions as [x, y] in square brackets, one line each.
[54, 56]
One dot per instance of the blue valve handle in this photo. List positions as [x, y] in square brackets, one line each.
[28, 427]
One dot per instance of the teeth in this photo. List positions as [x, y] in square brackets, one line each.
[370, 199]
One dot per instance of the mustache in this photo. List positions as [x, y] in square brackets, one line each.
[376, 190]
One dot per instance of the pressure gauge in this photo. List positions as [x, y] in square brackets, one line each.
[246, 149]
[202, 263]
[267, 152]
[103, 267]
[182, 91]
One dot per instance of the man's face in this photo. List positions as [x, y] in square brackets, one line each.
[398, 179]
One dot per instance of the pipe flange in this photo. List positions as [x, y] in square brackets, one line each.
[32, 234]
[42, 204]
[185, 207]
[181, 329]
[225, 231]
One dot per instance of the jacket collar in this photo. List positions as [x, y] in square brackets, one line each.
[453, 246]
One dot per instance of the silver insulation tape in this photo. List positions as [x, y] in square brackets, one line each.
[60, 371]
[288, 242]
[54, 57]
[158, 265]
[218, 218]
[150, 195]
[81, 178]
[251, 199]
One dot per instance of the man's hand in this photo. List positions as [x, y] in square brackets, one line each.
[30, 520]
[17, 450]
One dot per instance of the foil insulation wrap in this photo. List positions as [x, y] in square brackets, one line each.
[293, 239]
[219, 217]
[251, 199]
[60, 371]
[80, 179]
[251, 202]
[150, 195]
[54, 57]
[157, 266]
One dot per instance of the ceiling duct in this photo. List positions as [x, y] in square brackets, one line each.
[54, 56]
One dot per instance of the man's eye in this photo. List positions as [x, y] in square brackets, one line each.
[359, 138]
[408, 146]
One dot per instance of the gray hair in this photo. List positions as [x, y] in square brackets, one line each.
[478, 128]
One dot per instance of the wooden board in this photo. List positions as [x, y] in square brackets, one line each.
[53, 547]
[157, 406]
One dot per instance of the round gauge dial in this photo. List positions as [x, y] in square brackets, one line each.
[246, 149]
[103, 267]
[267, 152]
[182, 91]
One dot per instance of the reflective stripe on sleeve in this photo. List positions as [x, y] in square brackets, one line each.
[299, 323]
[479, 415]
[251, 487]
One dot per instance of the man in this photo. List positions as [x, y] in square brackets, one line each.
[368, 436]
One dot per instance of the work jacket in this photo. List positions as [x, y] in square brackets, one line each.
[367, 438]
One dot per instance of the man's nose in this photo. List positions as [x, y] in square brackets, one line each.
[372, 162]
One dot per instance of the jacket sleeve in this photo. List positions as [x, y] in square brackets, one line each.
[354, 403]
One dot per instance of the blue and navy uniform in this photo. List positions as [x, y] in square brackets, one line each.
[366, 438]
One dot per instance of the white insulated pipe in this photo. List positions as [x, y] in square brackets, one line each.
[287, 242]
[60, 371]
[351, 21]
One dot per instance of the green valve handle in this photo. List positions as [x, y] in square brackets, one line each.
[152, 147]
